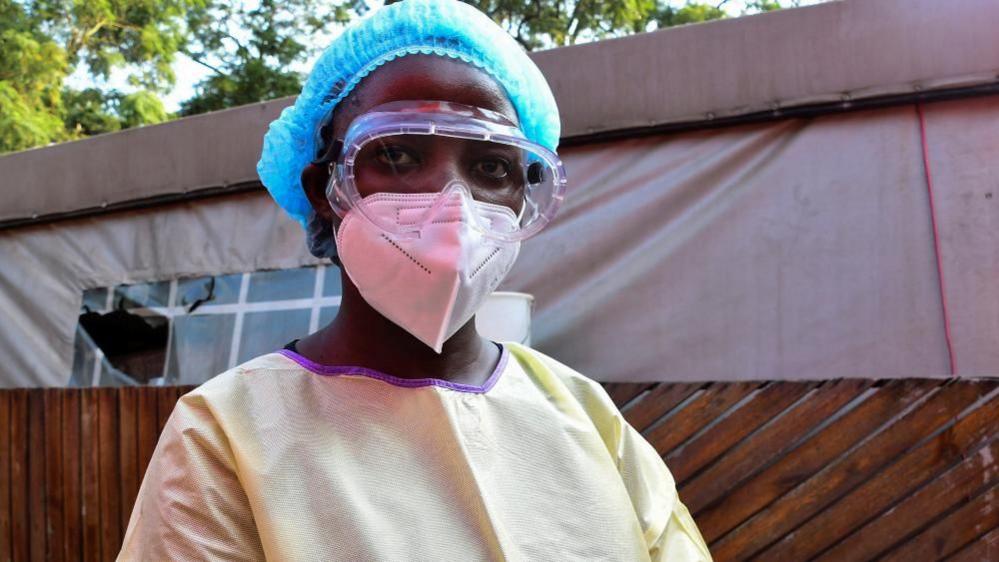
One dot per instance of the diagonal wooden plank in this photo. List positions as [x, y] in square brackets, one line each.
[55, 513]
[911, 503]
[713, 401]
[623, 392]
[770, 443]
[72, 491]
[824, 487]
[983, 549]
[20, 530]
[888, 486]
[811, 456]
[657, 403]
[766, 404]
[962, 526]
[913, 512]
[6, 533]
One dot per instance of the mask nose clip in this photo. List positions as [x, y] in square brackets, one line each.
[457, 191]
[454, 203]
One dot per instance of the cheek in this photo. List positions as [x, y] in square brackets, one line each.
[506, 198]
[314, 179]
[370, 181]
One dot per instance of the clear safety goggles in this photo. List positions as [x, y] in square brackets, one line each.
[468, 155]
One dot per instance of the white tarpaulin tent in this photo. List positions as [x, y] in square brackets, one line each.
[749, 199]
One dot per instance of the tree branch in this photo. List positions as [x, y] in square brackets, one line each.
[78, 38]
[236, 41]
[523, 43]
[203, 63]
[520, 28]
[525, 18]
[574, 33]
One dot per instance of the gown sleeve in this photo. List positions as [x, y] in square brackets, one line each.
[191, 505]
[669, 529]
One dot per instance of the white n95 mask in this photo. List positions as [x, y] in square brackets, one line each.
[430, 283]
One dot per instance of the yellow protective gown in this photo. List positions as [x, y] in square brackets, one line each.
[283, 459]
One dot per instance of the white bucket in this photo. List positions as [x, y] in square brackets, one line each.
[506, 316]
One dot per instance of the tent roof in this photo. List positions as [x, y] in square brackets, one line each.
[844, 50]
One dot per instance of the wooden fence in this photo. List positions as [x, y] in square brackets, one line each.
[773, 471]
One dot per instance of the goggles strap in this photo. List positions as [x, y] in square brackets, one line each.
[330, 155]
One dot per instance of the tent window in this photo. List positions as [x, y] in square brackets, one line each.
[221, 289]
[133, 345]
[276, 285]
[186, 331]
[265, 331]
[143, 295]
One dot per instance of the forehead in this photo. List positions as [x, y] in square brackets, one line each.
[424, 77]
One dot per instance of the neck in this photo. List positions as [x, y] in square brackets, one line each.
[361, 336]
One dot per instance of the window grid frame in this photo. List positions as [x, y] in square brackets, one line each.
[240, 308]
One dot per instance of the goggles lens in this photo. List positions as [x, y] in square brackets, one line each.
[414, 153]
[496, 173]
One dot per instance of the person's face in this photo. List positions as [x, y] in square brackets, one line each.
[426, 164]
[492, 172]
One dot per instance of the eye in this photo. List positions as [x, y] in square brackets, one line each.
[493, 168]
[395, 156]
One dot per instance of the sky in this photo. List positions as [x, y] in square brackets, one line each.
[189, 73]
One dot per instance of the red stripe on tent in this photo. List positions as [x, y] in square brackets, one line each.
[936, 239]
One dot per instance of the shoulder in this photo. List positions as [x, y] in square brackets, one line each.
[264, 369]
[557, 376]
[537, 363]
[236, 389]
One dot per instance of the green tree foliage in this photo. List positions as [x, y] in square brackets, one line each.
[31, 72]
[91, 111]
[105, 34]
[251, 51]
[252, 48]
[668, 16]
[540, 24]
[769, 5]
[140, 108]
[44, 41]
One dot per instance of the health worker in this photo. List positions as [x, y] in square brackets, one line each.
[419, 156]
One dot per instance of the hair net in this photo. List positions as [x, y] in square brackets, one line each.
[319, 237]
[435, 27]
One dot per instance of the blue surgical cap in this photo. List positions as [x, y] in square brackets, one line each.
[446, 28]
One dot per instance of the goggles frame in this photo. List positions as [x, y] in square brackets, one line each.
[447, 119]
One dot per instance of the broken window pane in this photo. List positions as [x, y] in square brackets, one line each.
[95, 300]
[141, 295]
[220, 289]
[132, 343]
[128, 341]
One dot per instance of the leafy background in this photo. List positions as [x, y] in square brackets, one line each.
[75, 68]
